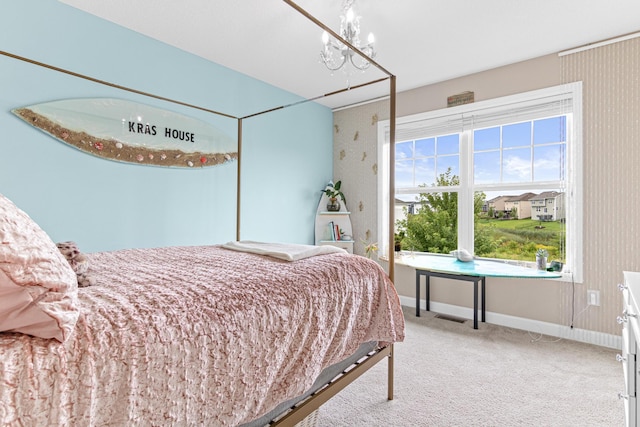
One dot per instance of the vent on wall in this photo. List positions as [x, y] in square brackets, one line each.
[450, 318]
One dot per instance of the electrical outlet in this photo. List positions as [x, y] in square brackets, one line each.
[593, 297]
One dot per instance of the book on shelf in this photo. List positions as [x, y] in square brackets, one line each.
[334, 231]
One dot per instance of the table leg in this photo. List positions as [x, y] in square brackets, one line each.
[475, 304]
[428, 292]
[484, 293]
[417, 293]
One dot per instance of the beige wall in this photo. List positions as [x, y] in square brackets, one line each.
[611, 94]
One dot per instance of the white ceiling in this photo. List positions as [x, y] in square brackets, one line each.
[419, 41]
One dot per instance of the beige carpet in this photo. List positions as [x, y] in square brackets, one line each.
[448, 374]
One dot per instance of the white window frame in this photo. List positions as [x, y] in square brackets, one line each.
[574, 189]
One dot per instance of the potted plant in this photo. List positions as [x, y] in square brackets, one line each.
[332, 191]
[398, 240]
[541, 259]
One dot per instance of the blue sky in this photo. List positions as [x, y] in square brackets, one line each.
[524, 152]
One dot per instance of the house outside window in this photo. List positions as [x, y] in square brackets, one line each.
[548, 206]
[507, 162]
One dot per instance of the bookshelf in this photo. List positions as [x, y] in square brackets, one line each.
[341, 220]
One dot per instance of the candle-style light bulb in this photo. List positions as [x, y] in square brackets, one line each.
[325, 38]
[371, 39]
[350, 15]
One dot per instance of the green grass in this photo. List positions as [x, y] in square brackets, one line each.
[522, 224]
[521, 238]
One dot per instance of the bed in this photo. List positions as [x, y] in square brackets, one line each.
[192, 335]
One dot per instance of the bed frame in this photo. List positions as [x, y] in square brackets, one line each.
[299, 412]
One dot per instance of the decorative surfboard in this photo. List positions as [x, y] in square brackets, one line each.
[127, 131]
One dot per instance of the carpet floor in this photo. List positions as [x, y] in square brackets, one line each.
[448, 374]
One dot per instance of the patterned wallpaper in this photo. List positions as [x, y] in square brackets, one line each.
[355, 162]
[610, 78]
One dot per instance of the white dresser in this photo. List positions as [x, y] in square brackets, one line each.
[630, 341]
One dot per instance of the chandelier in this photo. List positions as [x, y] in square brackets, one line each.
[336, 54]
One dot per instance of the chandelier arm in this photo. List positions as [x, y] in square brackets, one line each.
[333, 43]
[362, 67]
[326, 63]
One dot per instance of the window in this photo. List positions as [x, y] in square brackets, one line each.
[500, 178]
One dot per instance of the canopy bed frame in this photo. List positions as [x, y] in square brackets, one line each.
[299, 411]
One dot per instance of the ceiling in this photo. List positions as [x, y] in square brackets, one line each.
[419, 41]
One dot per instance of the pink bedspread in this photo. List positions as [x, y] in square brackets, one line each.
[196, 336]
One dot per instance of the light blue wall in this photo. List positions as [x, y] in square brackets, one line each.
[106, 205]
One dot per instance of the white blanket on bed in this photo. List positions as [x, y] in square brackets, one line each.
[285, 251]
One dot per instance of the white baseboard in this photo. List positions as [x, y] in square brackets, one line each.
[534, 326]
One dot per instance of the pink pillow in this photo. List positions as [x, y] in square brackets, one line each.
[38, 288]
